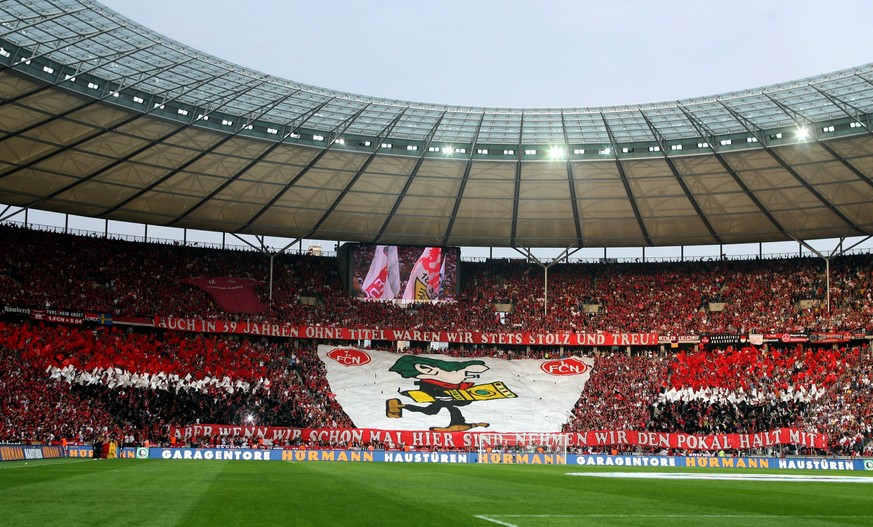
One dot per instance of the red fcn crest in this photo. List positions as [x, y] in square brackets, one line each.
[569, 366]
[349, 357]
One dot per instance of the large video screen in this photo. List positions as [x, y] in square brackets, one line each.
[402, 272]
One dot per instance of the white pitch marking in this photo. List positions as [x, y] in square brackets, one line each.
[492, 520]
[493, 517]
[725, 477]
[36, 462]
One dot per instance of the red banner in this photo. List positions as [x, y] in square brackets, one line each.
[233, 295]
[471, 440]
[463, 337]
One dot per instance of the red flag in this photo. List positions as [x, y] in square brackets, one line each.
[233, 295]
[425, 280]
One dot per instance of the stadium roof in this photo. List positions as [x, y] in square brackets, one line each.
[103, 117]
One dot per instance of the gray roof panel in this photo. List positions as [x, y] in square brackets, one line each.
[628, 175]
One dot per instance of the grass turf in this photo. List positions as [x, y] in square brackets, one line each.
[191, 493]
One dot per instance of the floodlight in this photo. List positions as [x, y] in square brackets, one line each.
[802, 132]
[556, 152]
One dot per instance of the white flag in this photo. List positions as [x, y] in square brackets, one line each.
[391, 391]
[383, 278]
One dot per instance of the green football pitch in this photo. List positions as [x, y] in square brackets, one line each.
[190, 493]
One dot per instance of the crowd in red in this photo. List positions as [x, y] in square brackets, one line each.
[749, 369]
[81, 382]
[40, 269]
[620, 393]
[708, 391]
[752, 390]
[65, 381]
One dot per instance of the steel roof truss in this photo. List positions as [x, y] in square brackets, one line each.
[788, 168]
[412, 174]
[624, 181]
[662, 144]
[377, 144]
[306, 169]
[705, 132]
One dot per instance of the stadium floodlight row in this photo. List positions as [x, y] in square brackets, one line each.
[103, 117]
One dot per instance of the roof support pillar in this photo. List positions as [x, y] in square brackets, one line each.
[563, 256]
[838, 251]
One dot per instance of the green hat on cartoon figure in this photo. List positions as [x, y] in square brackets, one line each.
[409, 366]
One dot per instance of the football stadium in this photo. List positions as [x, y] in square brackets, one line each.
[382, 375]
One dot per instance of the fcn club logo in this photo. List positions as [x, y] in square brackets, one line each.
[349, 357]
[570, 366]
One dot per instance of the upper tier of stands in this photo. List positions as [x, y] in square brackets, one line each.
[41, 269]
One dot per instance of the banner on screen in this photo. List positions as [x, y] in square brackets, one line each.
[404, 273]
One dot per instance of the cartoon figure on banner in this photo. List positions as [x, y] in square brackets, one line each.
[444, 385]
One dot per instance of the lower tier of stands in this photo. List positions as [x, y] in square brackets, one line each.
[82, 383]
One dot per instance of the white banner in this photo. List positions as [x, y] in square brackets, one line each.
[392, 391]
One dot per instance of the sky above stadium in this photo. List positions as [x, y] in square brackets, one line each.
[522, 54]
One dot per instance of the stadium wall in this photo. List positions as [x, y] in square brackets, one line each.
[26, 452]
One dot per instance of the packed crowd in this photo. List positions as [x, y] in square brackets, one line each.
[83, 382]
[40, 270]
[706, 391]
[753, 390]
[620, 393]
[65, 381]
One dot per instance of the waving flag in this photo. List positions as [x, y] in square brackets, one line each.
[233, 295]
[383, 278]
[425, 280]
